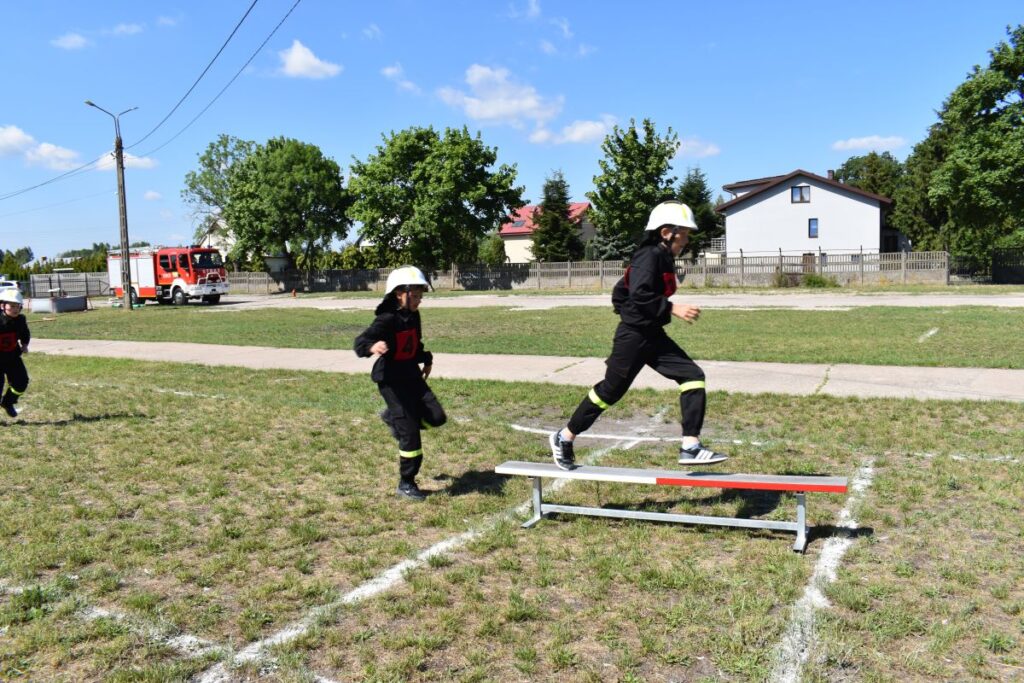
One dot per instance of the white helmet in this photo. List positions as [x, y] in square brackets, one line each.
[12, 296]
[671, 213]
[404, 276]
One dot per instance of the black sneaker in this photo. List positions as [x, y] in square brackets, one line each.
[699, 455]
[409, 489]
[561, 451]
[10, 409]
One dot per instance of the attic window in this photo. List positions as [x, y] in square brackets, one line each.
[518, 224]
[800, 194]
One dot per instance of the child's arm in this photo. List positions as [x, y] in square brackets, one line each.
[372, 341]
[24, 336]
[423, 357]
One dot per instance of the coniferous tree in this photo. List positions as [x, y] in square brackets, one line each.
[556, 236]
[695, 193]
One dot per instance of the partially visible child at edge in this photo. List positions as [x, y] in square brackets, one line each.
[641, 299]
[14, 339]
[396, 338]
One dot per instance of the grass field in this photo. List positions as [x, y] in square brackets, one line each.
[147, 502]
[951, 337]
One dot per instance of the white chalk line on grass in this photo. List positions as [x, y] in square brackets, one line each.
[188, 645]
[798, 639]
[221, 672]
[926, 335]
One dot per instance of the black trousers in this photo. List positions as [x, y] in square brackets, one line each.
[13, 370]
[412, 407]
[632, 349]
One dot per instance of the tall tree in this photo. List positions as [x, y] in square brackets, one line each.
[695, 193]
[634, 177]
[965, 183]
[429, 199]
[556, 237]
[207, 189]
[286, 195]
[492, 250]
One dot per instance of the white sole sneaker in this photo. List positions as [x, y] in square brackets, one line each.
[703, 461]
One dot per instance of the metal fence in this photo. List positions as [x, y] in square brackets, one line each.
[67, 284]
[712, 271]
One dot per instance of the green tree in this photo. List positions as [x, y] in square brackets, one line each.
[556, 237]
[880, 174]
[634, 177]
[695, 193]
[428, 199]
[964, 188]
[287, 196]
[352, 258]
[492, 250]
[207, 189]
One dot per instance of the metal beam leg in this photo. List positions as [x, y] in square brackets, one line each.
[537, 496]
[801, 523]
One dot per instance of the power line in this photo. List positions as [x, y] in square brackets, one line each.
[239, 73]
[183, 97]
[50, 206]
[67, 174]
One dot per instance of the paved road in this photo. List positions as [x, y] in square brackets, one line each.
[868, 381]
[801, 301]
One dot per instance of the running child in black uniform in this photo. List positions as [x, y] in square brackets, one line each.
[641, 299]
[14, 339]
[396, 338]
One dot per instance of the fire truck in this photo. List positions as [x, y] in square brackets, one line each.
[170, 275]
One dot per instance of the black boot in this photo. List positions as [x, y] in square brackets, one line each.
[7, 403]
[409, 489]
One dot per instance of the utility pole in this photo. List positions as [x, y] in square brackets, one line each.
[126, 267]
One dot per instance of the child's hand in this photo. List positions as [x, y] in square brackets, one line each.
[379, 348]
[686, 312]
[426, 370]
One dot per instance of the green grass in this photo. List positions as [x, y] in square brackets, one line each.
[231, 513]
[966, 337]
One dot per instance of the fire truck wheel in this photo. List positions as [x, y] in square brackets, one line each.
[179, 298]
[133, 296]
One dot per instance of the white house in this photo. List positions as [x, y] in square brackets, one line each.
[802, 212]
[517, 232]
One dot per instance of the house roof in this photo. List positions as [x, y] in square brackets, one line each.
[521, 220]
[775, 181]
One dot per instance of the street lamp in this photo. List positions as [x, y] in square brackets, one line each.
[126, 268]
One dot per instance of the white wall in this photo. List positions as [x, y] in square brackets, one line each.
[518, 249]
[769, 222]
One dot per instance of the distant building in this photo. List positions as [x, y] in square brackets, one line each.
[804, 212]
[517, 232]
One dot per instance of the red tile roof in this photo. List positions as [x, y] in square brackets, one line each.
[521, 220]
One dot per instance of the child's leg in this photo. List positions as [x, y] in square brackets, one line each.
[624, 364]
[406, 427]
[431, 412]
[672, 362]
[17, 380]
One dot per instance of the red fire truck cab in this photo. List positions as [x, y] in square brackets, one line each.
[170, 275]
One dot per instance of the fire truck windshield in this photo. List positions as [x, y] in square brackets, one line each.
[206, 259]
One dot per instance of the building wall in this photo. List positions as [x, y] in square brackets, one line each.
[518, 249]
[846, 222]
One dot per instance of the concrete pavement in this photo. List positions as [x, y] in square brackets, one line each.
[868, 381]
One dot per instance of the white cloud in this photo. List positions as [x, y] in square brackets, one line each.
[298, 61]
[585, 50]
[127, 29]
[373, 32]
[696, 148]
[52, 156]
[70, 41]
[130, 161]
[872, 142]
[396, 74]
[495, 98]
[14, 140]
[577, 132]
[563, 24]
[152, 196]
[167, 21]
[548, 48]
[533, 9]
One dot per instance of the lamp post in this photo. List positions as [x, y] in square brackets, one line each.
[126, 277]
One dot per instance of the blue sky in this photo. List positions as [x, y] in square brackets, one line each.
[752, 88]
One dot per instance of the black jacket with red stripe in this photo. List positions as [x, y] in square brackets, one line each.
[400, 330]
[12, 331]
[641, 297]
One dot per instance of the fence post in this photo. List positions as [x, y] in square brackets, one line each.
[862, 265]
[741, 267]
[568, 272]
[600, 275]
[945, 264]
[903, 264]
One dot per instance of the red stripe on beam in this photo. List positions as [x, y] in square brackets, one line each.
[760, 486]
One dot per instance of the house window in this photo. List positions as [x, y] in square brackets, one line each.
[812, 228]
[518, 224]
[800, 194]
